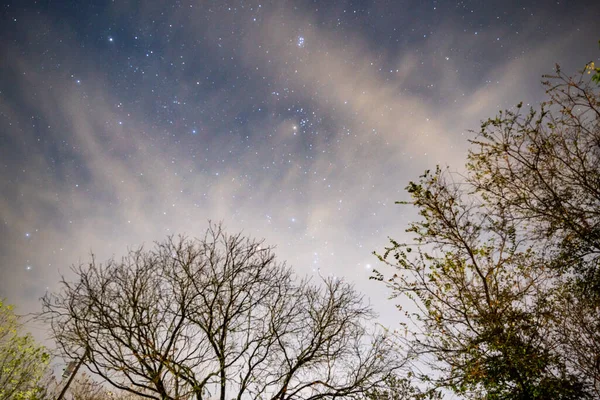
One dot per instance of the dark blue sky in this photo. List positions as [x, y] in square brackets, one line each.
[122, 122]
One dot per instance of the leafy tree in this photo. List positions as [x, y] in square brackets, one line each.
[85, 388]
[503, 272]
[591, 68]
[541, 170]
[22, 361]
[397, 388]
[218, 316]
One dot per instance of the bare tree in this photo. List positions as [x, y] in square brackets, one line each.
[218, 317]
[83, 387]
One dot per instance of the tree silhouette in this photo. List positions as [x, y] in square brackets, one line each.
[503, 269]
[218, 317]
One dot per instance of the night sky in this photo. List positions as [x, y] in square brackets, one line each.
[301, 122]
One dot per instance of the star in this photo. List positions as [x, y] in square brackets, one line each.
[309, 115]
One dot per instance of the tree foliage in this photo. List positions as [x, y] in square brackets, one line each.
[22, 361]
[503, 267]
[593, 70]
[541, 170]
[218, 317]
[401, 388]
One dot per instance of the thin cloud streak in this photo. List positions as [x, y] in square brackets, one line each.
[88, 183]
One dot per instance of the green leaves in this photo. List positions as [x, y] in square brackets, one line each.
[22, 361]
[503, 267]
[591, 68]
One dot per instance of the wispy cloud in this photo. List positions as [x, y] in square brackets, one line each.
[86, 171]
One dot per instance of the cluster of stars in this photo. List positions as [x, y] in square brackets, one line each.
[235, 109]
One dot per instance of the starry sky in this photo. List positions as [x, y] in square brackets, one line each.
[300, 122]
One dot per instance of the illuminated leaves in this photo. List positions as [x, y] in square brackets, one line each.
[496, 254]
[22, 361]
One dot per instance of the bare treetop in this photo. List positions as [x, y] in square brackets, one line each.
[218, 317]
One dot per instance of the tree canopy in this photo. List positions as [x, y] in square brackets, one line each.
[502, 272]
[23, 362]
[218, 317]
